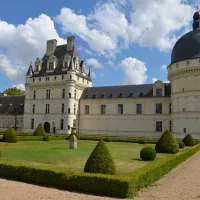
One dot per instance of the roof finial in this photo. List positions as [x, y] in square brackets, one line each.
[197, 6]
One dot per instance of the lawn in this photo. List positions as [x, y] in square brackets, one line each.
[57, 154]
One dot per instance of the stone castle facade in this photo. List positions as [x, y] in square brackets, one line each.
[59, 94]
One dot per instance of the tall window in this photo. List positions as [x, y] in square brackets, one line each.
[74, 108]
[33, 80]
[70, 95]
[103, 109]
[87, 109]
[139, 108]
[62, 76]
[63, 93]
[33, 108]
[120, 108]
[39, 79]
[48, 94]
[158, 108]
[184, 130]
[47, 78]
[75, 94]
[32, 123]
[54, 77]
[170, 108]
[61, 124]
[63, 108]
[34, 94]
[159, 126]
[65, 64]
[47, 108]
[74, 123]
[170, 125]
[70, 76]
[68, 110]
[159, 92]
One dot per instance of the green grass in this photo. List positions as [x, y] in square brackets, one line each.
[57, 154]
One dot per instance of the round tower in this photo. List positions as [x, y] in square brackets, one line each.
[184, 75]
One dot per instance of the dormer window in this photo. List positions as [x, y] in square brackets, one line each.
[159, 92]
[111, 96]
[131, 94]
[86, 96]
[141, 94]
[66, 65]
[94, 96]
[102, 96]
[120, 95]
[50, 65]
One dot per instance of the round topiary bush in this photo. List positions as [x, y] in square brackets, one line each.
[188, 140]
[181, 144]
[39, 131]
[143, 141]
[10, 135]
[167, 143]
[46, 138]
[148, 154]
[100, 160]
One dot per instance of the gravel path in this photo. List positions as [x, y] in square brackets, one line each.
[183, 183]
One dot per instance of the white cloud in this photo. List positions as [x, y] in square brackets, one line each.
[154, 80]
[23, 43]
[109, 27]
[19, 86]
[77, 24]
[134, 71]
[93, 63]
[88, 52]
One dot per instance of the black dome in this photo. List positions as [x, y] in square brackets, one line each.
[187, 47]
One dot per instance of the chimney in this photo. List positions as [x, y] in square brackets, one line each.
[51, 46]
[70, 43]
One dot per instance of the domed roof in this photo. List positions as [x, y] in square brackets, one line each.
[187, 47]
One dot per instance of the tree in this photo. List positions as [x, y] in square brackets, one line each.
[13, 91]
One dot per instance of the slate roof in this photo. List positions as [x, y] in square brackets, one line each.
[12, 105]
[60, 52]
[123, 91]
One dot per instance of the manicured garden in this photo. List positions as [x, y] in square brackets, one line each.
[105, 167]
[56, 153]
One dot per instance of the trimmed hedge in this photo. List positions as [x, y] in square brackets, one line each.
[100, 160]
[167, 143]
[188, 140]
[108, 185]
[143, 141]
[148, 154]
[9, 135]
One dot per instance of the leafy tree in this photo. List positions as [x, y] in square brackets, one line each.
[13, 91]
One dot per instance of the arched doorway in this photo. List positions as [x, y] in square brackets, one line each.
[47, 127]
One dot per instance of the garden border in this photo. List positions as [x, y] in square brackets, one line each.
[108, 185]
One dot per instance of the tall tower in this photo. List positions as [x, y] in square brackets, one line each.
[184, 75]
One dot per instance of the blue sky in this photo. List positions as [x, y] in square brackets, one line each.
[123, 41]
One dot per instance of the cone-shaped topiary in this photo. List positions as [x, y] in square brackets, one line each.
[10, 135]
[188, 140]
[167, 143]
[100, 161]
[39, 131]
[148, 154]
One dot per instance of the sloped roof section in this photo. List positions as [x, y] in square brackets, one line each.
[12, 105]
[123, 91]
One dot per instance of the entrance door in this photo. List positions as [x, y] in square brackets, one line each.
[47, 127]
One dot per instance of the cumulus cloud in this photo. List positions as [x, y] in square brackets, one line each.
[93, 63]
[134, 71]
[23, 43]
[19, 86]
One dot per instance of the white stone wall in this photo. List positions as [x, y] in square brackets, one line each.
[127, 124]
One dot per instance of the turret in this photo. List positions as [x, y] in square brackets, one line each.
[30, 71]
